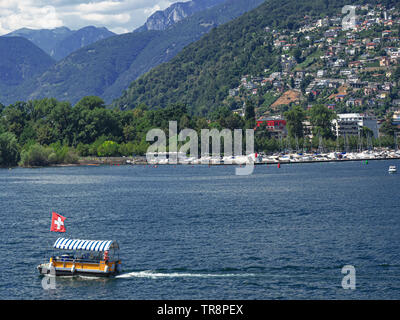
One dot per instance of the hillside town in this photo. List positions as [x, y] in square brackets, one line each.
[353, 70]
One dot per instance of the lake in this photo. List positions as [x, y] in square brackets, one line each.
[199, 232]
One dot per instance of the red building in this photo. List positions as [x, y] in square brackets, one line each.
[274, 125]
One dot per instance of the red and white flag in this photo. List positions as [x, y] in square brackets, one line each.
[57, 223]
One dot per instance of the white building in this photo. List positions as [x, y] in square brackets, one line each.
[396, 118]
[352, 123]
[321, 73]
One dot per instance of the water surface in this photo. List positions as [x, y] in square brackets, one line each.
[204, 233]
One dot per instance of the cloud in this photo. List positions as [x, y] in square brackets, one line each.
[26, 13]
[119, 16]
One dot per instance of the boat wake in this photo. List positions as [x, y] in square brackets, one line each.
[155, 275]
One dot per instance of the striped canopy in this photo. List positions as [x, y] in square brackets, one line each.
[89, 245]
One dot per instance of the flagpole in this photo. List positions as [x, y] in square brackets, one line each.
[51, 227]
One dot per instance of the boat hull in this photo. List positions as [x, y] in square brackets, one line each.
[68, 273]
[80, 269]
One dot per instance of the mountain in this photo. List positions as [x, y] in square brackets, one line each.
[161, 20]
[107, 67]
[167, 44]
[79, 39]
[87, 71]
[20, 60]
[60, 42]
[201, 75]
[45, 39]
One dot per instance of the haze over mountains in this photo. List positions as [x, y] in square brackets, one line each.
[106, 68]
[60, 42]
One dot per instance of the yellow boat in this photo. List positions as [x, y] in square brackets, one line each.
[87, 257]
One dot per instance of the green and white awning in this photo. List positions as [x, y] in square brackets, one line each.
[89, 245]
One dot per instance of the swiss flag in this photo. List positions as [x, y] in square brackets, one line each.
[57, 223]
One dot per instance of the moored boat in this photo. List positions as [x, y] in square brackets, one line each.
[392, 169]
[99, 258]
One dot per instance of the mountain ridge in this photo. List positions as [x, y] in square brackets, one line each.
[107, 67]
[60, 42]
[162, 19]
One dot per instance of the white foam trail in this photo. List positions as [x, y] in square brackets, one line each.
[155, 275]
[90, 277]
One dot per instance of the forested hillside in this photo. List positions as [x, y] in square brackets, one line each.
[20, 60]
[202, 74]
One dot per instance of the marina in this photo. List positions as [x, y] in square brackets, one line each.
[260, 158]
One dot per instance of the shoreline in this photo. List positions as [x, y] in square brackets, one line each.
[288, 159]
[110, 162]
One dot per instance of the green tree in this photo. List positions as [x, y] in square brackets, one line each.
[14, 118]
[82, 149]
[387, 127]
[108, 149]
[35, 155]
[297, 55]
[396, 74]
[294, 118]
[126, 149]
[8, 150]
[29, 133]
[250, 113]
[61, 118]
[45, 134]
[321, 120]
[292, 82]
[366, 132]
[90, 103]
[141, 147]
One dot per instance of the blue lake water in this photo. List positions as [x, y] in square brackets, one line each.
[204, 233]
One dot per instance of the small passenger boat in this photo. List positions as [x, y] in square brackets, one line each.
[392, 169]
[99, 258]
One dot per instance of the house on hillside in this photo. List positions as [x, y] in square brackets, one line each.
[384, 62]
[274, 125]
[354, 102]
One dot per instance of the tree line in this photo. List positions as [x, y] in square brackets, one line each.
[48, 131]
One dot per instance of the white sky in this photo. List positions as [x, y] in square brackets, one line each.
[119, 16]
